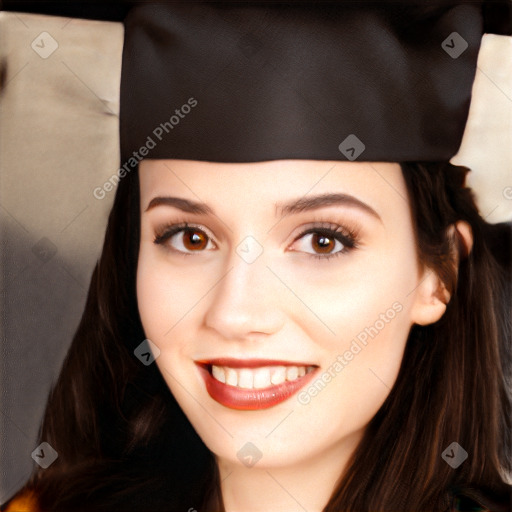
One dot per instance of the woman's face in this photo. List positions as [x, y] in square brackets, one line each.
[295, 283]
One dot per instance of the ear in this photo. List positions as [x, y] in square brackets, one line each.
[430, 299]
[431, 295]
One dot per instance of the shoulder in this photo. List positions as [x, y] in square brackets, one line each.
[24, 501]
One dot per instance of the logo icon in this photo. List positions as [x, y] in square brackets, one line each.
[147, 352]
[249, 454]
[249, 249]
[454, 455]
[352, 147]
[44, 45]
[44, 455]
[454, 45]
[45, 249]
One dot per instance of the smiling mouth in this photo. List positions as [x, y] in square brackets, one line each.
[253, 384]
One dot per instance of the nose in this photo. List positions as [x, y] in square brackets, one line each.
[246, 302]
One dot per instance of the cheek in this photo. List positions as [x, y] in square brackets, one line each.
[167, 301]
[367, 308]
[365, 292]
[153, 300]
[165, 295]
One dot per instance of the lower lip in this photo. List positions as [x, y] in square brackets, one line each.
[251, 399]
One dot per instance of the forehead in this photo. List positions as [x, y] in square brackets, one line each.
[270, 181]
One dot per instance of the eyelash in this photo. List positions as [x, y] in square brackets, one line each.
[347, 237]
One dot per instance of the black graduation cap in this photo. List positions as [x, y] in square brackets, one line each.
[254, 81]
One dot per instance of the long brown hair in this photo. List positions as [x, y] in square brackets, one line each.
[124, 443]
[452, 384]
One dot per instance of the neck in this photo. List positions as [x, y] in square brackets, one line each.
[305, 485]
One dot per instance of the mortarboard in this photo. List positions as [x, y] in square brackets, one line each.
[329, 81]
[254, 81]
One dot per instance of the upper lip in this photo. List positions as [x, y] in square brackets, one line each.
[248, 363]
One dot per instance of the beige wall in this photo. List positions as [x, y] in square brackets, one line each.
[59, 140]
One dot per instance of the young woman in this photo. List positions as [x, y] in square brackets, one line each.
[382, 268]
[280, 319]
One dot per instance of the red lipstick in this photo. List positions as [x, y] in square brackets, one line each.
[236, 397]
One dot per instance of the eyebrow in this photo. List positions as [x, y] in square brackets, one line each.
[308, 203]
[185, 205]
[295, 206]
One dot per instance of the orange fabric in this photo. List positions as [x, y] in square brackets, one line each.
[24, 502]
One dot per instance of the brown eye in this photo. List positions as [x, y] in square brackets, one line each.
[185, 239]
[194, 239]
[322, 244]
[325, 242]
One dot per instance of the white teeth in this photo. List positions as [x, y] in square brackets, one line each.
[245, 378]
[258, 378]
[292, 372]
[261, 378]
[279, 375]
[219, 373]
[231, 376]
